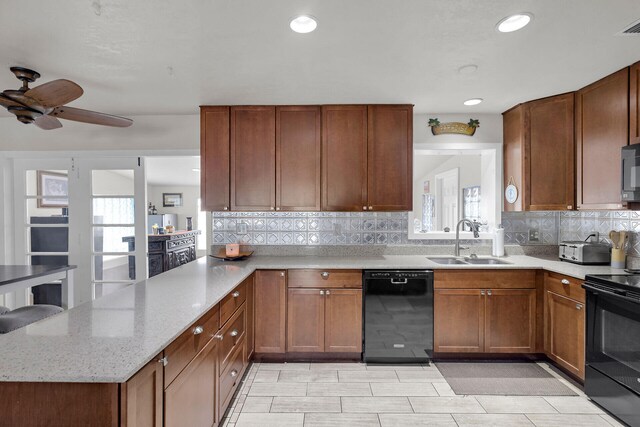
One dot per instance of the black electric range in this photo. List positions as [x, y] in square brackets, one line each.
[612, 377]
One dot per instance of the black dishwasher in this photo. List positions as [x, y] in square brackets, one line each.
[398, 316]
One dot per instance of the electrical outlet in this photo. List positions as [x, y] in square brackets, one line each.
[242, 228]
[534, 235]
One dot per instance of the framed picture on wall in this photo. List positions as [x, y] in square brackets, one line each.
[53, 189]
[171, 200]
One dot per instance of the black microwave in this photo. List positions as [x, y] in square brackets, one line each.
[631, 173]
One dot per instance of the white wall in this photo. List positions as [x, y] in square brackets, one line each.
[190, 195]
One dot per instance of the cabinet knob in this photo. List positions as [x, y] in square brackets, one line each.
[364, 208]
[233, 373]
[198, 330]
[234, 333]
[481, 292]
[328, 292]
[578, 306]
[164, 361]
[273, 208]
[565, 281]
[236, 294]
[321, 292]
[325, 274]
[219, 337]
[282, 274]
[569, 207]
[226, 208]
[370, 208]
[489, 292]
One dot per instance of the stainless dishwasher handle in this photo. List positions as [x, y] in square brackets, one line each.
[399, 282]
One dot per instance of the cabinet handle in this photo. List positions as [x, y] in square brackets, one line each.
[278, 208]
[578, 306]
[565, 282]
[226, 208]
[234, 333]
[328, 292]
[489, 292]
[164, 361]
[321, 292]
[198, 330]
[364, 208]
[233, 373]
[219, 336]
[325, 274]
[236, 294]
[481, 292]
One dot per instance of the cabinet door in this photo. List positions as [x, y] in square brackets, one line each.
[142, 397]
[250, 316]
[190, 400]
[214, 158]
[564, 332]
[513, 153]
[298, 158]
[602, 128]
[253, 158]
[390, 157]
[458, 320]
[344, 157]
[549, 154]
[270, 311]
[305, 320]
[343, 320]
[634, 104]
[510, 323]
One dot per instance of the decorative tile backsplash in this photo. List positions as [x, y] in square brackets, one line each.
[390, 228]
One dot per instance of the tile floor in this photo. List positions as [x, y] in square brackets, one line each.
[354, 395]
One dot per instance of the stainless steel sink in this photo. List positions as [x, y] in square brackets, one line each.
[485, 261]
[446, 260]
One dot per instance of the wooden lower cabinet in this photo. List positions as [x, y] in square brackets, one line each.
[343, 321]
[142, 397]
[565, 332]
[510, 321]
[458, 321]
[485, 320]
[191, 398]
[305, 318]
[270, 291]
[250, 316]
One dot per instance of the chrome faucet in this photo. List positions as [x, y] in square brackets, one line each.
[474, 227]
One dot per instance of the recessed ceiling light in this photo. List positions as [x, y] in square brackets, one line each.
[303, 24]
[195, 170]
[473, 101]
[468, 69]
[514, 22]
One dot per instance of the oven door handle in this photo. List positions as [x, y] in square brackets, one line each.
[596, 291]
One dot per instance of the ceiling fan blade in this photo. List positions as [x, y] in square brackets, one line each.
[7, 102]
[55, 93]
[93, 117]
[47, 122]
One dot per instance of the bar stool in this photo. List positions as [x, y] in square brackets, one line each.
[11, 320]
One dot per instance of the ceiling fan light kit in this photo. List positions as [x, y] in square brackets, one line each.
[44, 104]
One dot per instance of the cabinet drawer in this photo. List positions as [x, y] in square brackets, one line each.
[233, 301]
[230, 336]
[184, 348]
[325, 279]
[230, 377]
[485, 279]
[565, 286]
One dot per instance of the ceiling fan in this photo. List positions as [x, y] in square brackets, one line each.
[45, 104]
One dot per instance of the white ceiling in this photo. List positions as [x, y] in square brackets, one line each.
[175, 170]
[148, 57]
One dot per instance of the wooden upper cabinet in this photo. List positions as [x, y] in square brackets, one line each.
[214, 158]
[602, 129]
[510, 321]
[513, 152]
[344, 157]
[141, 397]
[634, 104]
[549, 154]
[270, 291]
[253, 157]
[390, 157]
[298, 158]
[539, 154]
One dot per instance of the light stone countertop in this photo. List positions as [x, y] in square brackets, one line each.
[111, 338]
